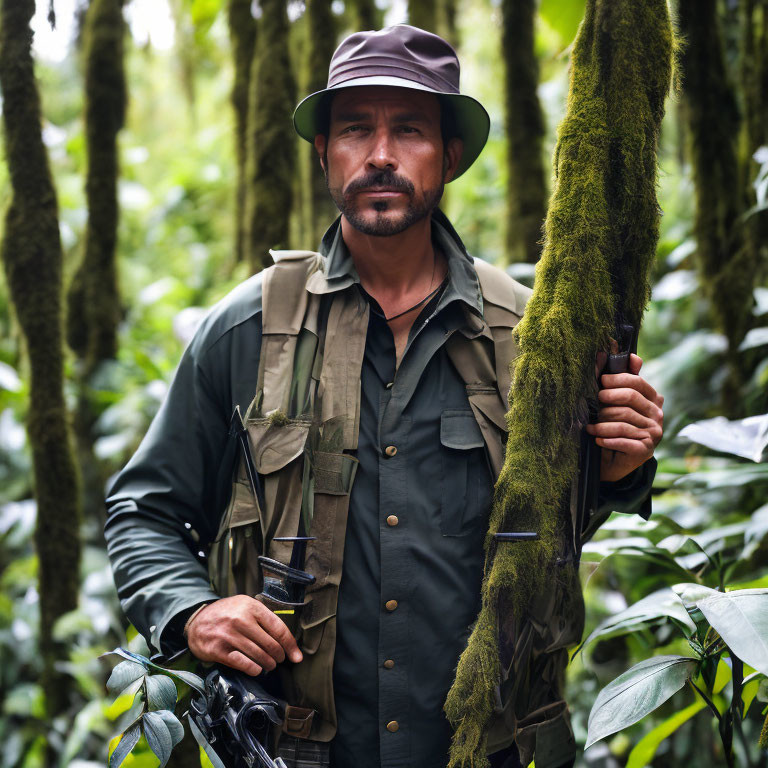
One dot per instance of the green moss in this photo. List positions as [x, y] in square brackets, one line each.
[726, 255]
[271, 140]
[763, 741]
[94, 300]
[526, 182]
[32, 258]
[242, 33]
[321, 33]
[423, 14]
[600, 237]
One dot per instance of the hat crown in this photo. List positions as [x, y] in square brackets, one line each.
[399, 51]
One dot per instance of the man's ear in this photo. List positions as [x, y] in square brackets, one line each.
[451, 157]
[321, 144]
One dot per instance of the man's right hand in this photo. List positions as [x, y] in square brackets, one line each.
[242, 633]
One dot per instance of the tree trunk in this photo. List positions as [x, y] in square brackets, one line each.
[32, 256]
[726, 258]
[272, 144]
[365, 15]
[319, 208]
[526, 181]
[423, 14]
[94, 299]
[242, 33]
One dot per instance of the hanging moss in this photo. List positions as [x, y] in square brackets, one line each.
[423, 14]
[242, 34]
[319, 207]
[526, 182]
[600, 237]
[32, 258]
[272, 144]
[726, 257]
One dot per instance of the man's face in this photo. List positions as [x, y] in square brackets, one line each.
[384, 159]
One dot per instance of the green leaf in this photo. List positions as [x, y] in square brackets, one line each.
[659, 605]
[161, 692]
[129, 740]
[645, 749]
[741, 619]
[175, 728]
[564, 16]
[190, 678]
[749, 692]
[158, 736]
[123, 675]
[127, 655]
[640, 690]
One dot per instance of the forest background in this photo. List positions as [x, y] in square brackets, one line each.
[164, 123]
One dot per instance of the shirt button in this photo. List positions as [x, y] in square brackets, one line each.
[389, 386]
[390, 605]
[389, 664]
[392, 520]
[390, 451]
[392, 726]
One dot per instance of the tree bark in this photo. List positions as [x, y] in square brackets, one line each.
[32, 257]
[365, 15]
[526, 181]
[319, 207]
[423, 14]
[726, 258]
[242, 33]
[272, 143]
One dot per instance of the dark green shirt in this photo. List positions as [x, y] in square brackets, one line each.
[394, 663]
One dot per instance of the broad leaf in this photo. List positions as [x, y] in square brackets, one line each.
[158, 736]
[659, 605]
[640, 690]
[123, 675]
[190, 678]
[751, 687]
[645, 749]
[690, 593]
[128, 655]
[129, 740]
[741, 619]
[161, 692]
[175, 728]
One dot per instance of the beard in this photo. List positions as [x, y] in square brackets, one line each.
[383, 225]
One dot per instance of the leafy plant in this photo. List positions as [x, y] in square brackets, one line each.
[153, 699]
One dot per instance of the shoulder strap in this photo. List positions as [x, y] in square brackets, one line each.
[285, 310]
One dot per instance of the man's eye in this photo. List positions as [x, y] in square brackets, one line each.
[408, 129]
[352, 129]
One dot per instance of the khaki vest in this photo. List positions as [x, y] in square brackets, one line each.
[307, 404]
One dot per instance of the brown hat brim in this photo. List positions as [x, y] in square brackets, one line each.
[470, 118]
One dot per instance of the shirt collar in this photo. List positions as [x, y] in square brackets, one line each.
[463, 285]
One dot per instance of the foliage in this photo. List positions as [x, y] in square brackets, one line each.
[175, 255]
[152, 700]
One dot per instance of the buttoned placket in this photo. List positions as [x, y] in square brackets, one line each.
[395, 640]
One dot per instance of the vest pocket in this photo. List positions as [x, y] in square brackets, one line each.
[460, 437]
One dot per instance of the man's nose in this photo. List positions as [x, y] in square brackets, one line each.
[382, 153]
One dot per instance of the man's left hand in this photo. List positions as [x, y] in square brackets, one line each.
[630, 421]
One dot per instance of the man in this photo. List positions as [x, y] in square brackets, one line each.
[375, 382]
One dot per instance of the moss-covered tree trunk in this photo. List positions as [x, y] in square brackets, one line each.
[242, 34]
[364, 15]
[447, 22]
[94, 298]
[600, 241]
[726, 258]
[319, 209]
[526, 180]
[32, 258]
[423, 14]
[271, 142]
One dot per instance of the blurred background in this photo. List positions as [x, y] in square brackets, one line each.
[166, 102]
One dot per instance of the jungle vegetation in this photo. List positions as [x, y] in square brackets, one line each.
[149, 165]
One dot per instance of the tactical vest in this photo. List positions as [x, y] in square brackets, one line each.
[303, 430]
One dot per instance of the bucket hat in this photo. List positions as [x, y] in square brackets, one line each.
[405, 57]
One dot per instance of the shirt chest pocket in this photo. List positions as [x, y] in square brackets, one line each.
[465, 480]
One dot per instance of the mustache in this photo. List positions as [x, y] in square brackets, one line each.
[377, 180]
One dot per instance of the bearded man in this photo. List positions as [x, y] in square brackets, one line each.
[374, 380]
